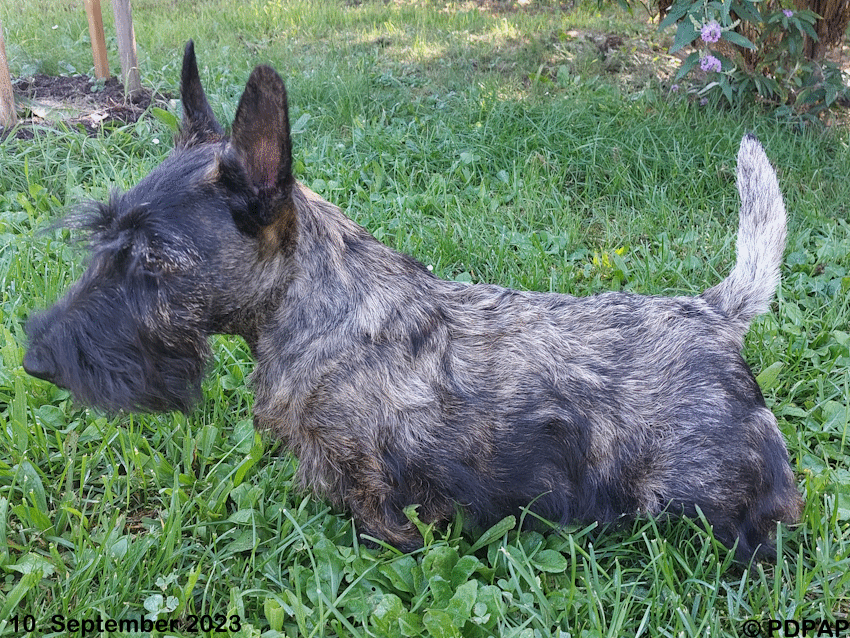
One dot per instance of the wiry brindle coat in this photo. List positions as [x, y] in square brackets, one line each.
[394, 387]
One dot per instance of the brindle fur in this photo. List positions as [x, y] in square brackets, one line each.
[394, 387]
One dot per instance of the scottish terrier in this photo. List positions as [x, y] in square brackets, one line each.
[394, 387]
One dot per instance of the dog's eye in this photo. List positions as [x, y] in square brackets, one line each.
[152, 263]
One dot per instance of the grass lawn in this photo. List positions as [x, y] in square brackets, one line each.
[495, 143]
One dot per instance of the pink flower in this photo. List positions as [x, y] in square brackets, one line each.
[788, 13]
[709, 63]
[710, 32]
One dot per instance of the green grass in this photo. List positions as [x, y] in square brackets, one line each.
[487, 145]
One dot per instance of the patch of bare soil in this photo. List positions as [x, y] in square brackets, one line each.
[76, 101]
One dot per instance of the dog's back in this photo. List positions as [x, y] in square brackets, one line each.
[435, 392]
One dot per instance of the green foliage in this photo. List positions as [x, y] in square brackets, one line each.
[774, 68]
[481, 173]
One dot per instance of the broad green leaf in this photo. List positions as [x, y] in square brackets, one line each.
[411, 625]
[548, 560]
[329, 567]
[685, 34]
[689, 63]
[767, 377]
[493, 599]
[29, 482]
[30, 563]
[294, 606]
[842, 507]
[190, 585]
[463, 569]
[32, 517]
[831, 94]
[441, 590]
[736, 38]
[497, 531]
[274, 613]
[169, 119]
[439, 624]
[674, 14]
[747, 11]
[392, 620]
[400, 573]
[440, 560]
[834, 417]
[243, 435]
[460, 605]
[387, 614]
[244, 542]
[300, 124]
[805, 26]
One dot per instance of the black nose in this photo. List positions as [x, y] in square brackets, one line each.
[39, 363]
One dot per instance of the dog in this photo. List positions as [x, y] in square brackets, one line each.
[396, 388]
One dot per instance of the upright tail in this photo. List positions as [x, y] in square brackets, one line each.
[749, 288]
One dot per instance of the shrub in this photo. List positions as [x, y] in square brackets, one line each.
[748, 50]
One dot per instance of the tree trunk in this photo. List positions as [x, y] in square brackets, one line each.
[834, 18]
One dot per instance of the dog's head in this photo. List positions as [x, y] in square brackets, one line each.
[187, 252]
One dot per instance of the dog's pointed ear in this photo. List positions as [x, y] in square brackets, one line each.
[262, 146]
[261, 131]
[199, 124]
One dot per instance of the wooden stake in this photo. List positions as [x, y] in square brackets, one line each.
[98, 39]
[127, 46]
[8, 117]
